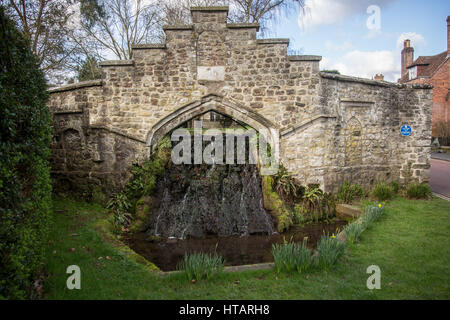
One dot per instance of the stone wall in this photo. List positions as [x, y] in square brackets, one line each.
[331, 128]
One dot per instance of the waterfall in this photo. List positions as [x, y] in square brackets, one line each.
[201, 200]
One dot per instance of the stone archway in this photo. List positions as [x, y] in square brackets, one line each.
[212, 103]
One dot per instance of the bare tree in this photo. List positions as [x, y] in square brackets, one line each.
[44, 23]
[176, 12]
[245, 11]
[261, 11]
[118, 24]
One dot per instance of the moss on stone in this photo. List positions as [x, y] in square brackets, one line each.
[104, 228]
[144, 208]
[273, 203]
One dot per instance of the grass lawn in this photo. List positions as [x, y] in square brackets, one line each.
[410, 244]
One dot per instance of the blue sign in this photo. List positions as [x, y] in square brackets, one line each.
[405, 130]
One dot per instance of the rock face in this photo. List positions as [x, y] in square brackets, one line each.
[331, 128]
[197, 200]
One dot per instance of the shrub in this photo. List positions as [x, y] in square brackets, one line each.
[418, 191]
[25, 191]
[349, 192]
[291, 256]
[201, 265]
[395, 185]
[383, 191]
[353, 230]
[329, 250]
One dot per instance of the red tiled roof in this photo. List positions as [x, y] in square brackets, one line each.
[430, 63]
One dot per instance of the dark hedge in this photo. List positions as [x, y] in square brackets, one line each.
[25, 191]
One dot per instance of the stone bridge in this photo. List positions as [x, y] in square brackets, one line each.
[331, 128]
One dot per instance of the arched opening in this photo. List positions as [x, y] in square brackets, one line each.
[220, 194]
[213, 103]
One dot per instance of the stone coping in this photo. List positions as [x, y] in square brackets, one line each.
[334, 76]
[178, 27]
[72, 86]
[148, 46]
[305, 123]
[212, 8]
[245, 267]
[273, 41]
[243, 25]
[108, 63]
[305, 58]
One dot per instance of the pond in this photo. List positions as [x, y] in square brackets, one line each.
[235, 250]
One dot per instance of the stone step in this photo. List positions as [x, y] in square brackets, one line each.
[348, 211]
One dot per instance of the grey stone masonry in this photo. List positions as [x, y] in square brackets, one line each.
[332, 128]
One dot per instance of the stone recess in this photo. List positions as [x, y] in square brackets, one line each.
[332, 128]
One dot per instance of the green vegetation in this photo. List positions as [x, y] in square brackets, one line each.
[418, 191]
[138, 191]
[291, 203]
[25, 191]
[353, 230]
[291, 256]
[284, 184]
[349, 192]
[372, 214]
[329, 249]
[383, 191]
[406, 244]
[197, 266]
[272, 202]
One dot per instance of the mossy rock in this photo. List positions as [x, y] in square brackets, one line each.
[144, 208]
[276, 206]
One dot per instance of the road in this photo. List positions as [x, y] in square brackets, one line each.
[440, 177]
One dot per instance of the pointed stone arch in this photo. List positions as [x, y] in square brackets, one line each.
[211, 103]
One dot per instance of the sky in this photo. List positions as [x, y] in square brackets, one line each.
[365, 37]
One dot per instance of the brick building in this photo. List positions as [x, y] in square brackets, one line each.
[433, 70]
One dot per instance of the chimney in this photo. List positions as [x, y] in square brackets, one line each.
[379, 77]
[448, 35]
[407, 56]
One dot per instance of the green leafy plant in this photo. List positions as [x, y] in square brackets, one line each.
[383, 191]
[353, 230]
[311, 200]
[201, 265]
[290, 256]
[285, 184]
[120, 206]
[329, 250]
[419, 191]
[349, 192]
[372, 213]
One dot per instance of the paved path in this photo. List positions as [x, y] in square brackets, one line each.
[441, 156]
[440, 177]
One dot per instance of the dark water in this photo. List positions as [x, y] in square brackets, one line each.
[236, 250]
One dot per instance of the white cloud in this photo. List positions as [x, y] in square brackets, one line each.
[417, 40]
[345, 46]
[323, 12]
[366, 64]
